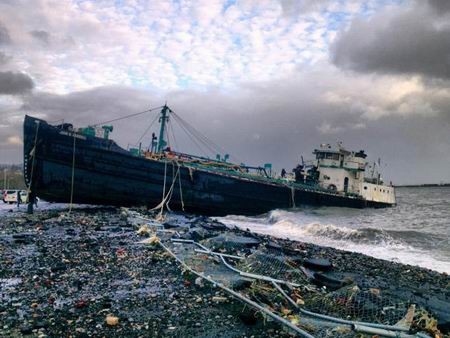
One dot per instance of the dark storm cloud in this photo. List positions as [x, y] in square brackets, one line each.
[90, 106]
[4, 35]
[440, 6]
[398, 41]
[4, 58]
[15, 83]
[42, 36]
[274, 122]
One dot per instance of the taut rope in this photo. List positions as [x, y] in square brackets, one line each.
[73, 175]
[32, 162]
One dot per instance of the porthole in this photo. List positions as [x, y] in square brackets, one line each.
[365, 188]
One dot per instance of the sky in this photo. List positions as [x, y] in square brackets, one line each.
[268, 81]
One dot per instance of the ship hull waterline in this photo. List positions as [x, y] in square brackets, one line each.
[60, 165]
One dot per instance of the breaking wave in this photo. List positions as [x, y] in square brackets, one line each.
[404, 246]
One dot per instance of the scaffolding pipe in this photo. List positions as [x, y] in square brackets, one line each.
[275, 282]
[380, 332]
[283, 321]
[190, 241]
[255, 276]
[338, 320]
[208, 252]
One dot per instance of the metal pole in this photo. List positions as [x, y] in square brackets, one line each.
[217, 254]
[380, 332]
[163, 119]
[283, 321]
[339, 320]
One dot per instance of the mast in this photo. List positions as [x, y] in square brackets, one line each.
[163, 119]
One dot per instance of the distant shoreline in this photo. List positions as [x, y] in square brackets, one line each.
[423, 185]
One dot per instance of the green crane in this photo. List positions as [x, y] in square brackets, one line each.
[164, 118]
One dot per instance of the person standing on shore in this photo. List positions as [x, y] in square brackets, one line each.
[18, 199]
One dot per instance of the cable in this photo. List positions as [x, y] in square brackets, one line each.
[173, 135]
[73, 175]
[213, 147]
[127, 116]
[190, 136]
[190, 132]
[148, 128]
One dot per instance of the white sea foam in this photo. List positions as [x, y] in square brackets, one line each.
[370, 241]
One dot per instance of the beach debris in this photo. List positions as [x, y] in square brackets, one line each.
[219, 299]
[87, 265]
[423, 321]
[199, 282]
[153, 240]
[321, 264]
[407, 321]
[112, 320]
[144, 230]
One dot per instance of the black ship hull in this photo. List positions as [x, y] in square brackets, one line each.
[61, 166]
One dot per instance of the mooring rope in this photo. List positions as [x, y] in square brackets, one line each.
[34, 150]
[170, 192]
[161, 205]
[174, 180]
[167, 197]
[179, 182]
[293, 196]
[73, 174]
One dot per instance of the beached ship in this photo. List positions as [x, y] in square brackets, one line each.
[64, 164]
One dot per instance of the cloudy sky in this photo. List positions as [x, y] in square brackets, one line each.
[267, 80]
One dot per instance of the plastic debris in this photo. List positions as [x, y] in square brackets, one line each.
[112, 320]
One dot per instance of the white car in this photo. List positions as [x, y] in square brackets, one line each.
[10, 196]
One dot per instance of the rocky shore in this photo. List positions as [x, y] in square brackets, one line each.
[88, 274]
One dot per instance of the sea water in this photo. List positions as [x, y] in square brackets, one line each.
[416, 231]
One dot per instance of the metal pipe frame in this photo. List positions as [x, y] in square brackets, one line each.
[255, 305]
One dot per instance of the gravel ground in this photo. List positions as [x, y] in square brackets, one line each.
[63, 275]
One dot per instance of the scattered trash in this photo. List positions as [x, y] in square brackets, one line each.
[199, 282]
[144, 230]
[219, 299]
[112, 320]
[63, 273]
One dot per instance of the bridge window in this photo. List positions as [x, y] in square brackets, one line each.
[331, 156]
[327, 156]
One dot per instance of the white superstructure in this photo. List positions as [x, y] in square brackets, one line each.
[344, 171]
